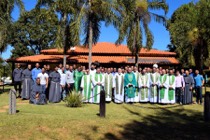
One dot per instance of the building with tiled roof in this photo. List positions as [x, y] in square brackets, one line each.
[107, 54]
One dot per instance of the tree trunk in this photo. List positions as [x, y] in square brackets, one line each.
[201, 57]
[136, 59]
[64, 21]
[90, 41]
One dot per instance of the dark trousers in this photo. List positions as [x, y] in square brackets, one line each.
[69, 89]
[179, 95]
[198, 91]
[17, 86]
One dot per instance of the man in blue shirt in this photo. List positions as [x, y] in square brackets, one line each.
[35, 72]
[191, 73]
[199, 81]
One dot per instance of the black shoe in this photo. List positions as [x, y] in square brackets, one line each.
[30, 102]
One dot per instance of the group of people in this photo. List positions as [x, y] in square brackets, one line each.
[128, 84]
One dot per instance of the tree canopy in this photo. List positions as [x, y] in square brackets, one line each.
[135, 18]
[35, 30]
[189, 29]
[6, 8]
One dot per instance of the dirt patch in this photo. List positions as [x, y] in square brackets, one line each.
[6, 107]
[43, 129]
[2, 111]
[23, 103]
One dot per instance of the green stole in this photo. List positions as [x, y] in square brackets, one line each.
[154, 89]
[171, 91]
[96, 88]
[78, 77]
[144, 91]
[117, 83]
[130, 91]
[162, 89]
[86, 90]
[106, 83]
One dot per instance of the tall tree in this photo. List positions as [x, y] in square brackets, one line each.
[88, 21]
[35, 30]
[6, 8]
[178, 26]
[67, 10]
[136, 16]
[189, 31]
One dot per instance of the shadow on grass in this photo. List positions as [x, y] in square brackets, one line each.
[167, 124]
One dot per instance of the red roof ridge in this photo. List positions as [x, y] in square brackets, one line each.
[109, 48]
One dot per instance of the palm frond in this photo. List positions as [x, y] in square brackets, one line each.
[158, 18]
[158, 5]
[149, 36]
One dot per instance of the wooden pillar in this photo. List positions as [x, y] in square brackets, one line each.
[12, 102]
[207, 106]
[102, 104]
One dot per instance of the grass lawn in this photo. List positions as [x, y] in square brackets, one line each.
[124, 121]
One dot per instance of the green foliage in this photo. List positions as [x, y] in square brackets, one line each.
[35, 30]
[19, 51]
[6, 8]
[6, 70]
[189, 31]
[135, 17]
[74, 99]
[87, 22]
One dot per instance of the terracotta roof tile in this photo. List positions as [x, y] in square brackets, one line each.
[108, 48]
[100, 59]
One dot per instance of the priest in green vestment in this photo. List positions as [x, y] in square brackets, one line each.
[172, 86]
[108, 85]
[163, 87]
[144, 86]
[77, 79]
[130, 85]
[86, 86]
[154, 82]
[98, 85]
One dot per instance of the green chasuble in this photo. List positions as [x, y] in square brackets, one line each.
[87, 87]
[130, 79]
[170, 90]
[77, 80]
[162, 82]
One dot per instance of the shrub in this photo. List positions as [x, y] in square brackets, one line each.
[74, 99]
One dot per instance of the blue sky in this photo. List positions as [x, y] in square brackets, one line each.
[109, 34]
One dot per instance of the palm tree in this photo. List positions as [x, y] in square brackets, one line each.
[67, 11]
[136, 15]
[92, 14]
[6, 8]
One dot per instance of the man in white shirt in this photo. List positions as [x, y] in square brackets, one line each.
[43, 76]
[63, 83]
[69, 78]
[180, 85]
